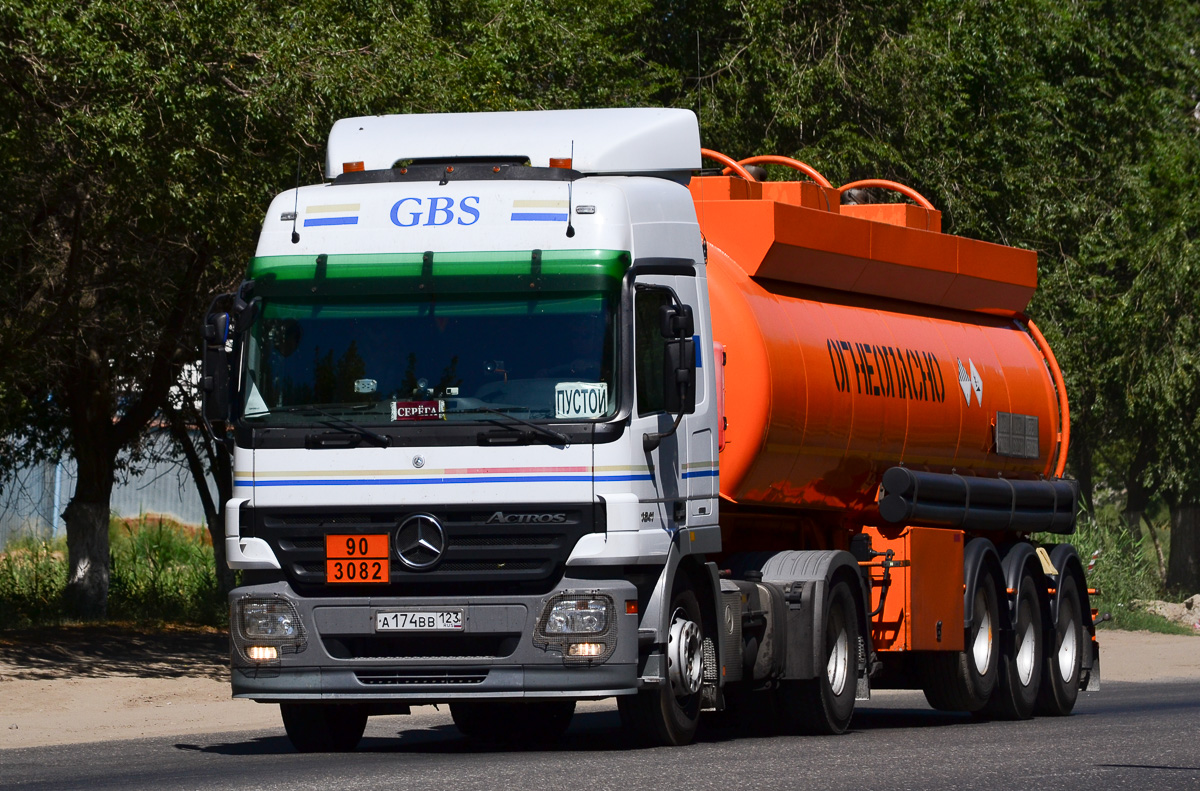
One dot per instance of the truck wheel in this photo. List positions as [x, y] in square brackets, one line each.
[508, 722]
[825, 704]
[965, 680]
[324, 727]
[668, 714]
[1064, 661]
[1020, 661]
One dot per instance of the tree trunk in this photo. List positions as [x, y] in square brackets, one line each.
[1162, 562]
[86, 594]
[1183, 567]
[214, 512]
[1137, 493]
[86, 389]
[1082, 463]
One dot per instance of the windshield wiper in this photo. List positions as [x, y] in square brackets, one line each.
[334, 421]
[544, 430]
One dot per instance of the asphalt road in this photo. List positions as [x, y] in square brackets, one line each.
[1143, 736]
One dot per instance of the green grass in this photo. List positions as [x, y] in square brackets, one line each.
[1132, 619]
[160, 572]
[1125, 571]
[33, 574]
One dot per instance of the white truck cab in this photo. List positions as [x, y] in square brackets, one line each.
[473, 403]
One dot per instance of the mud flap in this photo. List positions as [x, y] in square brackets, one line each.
[1089, 678]
[863, 689]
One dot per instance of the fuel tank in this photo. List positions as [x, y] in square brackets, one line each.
[858, 339]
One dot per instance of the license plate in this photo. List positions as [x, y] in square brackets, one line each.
[419, 621]
[358, 560]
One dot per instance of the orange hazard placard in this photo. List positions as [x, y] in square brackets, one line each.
[356, 559]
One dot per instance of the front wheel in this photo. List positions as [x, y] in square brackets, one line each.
[825, 704]
[324, 727]
[670, 713]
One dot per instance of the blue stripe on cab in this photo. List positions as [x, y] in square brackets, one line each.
[310, 222]
[433, 481]
[531, 216]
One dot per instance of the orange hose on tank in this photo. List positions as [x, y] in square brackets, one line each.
[728, 162]
[890, 185]
[1064, 437]
[795, 164]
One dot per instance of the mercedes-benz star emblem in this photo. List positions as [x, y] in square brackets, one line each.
[420, 542]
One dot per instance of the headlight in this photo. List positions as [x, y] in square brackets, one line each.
[264, 628]
[580, 625]
[269, 619]
[577, 616]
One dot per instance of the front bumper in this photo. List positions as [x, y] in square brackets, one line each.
[494, 656]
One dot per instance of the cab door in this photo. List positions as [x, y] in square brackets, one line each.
[667, 464]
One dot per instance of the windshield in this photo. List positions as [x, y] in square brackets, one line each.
[412, 358]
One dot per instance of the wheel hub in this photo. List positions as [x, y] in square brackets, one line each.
[1067, 650]
[981, 647]
[838, 668]
[1025, 655]
[685, 655]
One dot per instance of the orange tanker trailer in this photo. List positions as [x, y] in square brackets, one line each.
[884, 393]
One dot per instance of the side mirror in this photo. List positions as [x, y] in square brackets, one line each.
[214, 368]
[679, 375]
[676, 321]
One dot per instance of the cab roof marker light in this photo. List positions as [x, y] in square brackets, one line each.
[353, 167]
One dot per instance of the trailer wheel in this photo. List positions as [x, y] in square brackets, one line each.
[324, 727]
[825, 704]
[668, 714]
[508, 722]
[1021, 660]
[965, 680]
[1064, 659]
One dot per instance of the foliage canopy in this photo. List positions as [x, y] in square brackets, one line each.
[141, 140]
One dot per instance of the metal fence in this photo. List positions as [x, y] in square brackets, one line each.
[32, 501]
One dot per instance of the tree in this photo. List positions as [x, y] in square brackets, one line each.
[142, 140]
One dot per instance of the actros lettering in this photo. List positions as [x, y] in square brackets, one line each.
[438, 210]
[502, 518]
[886, 371]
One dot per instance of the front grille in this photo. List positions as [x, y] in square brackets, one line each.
[483, 554]
[421, 645]
[420, 677]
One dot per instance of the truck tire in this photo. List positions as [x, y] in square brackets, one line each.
[669, 713]
[512, 723]
[965, 680]
[825, 704]
[1064, 656]
[1020, 659]
[324, 727]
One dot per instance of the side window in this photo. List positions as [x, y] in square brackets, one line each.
[648, 348]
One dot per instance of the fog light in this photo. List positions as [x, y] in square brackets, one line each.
[577, 616]
[262, 653]
[585, 649]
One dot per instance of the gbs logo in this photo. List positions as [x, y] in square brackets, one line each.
[440, 210]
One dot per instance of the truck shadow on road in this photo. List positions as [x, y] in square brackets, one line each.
[596, 732]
